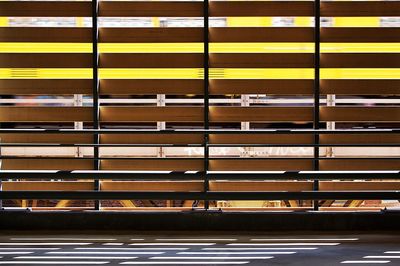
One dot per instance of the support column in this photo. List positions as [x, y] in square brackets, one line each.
[206, 98]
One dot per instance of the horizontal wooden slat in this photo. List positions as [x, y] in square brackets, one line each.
[357, 185]
[360, 87]
[45, 9]
[360, 60]
[39, 34]
[151, 114]
[47, 164]
[150, 35]
[45, 114]
[147, 60]
[45, 86]
[360, 8]
[39, 60]
[260, 139]
[260, 9]
[151, 86]
[151, 138]
[364, 164]
[261, 34]
[47, 185]
[289, 60]
[360, 114]
[153, 165]
[261, 86]
[260, 185]
[47, 138]
[360, 34]
[260, 114]
[260, 165]
[150, 9]
[177, 186]
[359, 138]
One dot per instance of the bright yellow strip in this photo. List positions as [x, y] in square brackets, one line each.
[356, 21]
[37, 47]
[151, 73]
[360, 47]
[262, 73]
[360, 73]
[46, 73]
[249, 21]
[151, 47]
[261, 47]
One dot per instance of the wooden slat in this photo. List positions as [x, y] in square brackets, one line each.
[41, 60]
[360, 60]
[147, 60]
[45, 114]
[45, 86]
[260, 139]
[151, 86]
[45, 9]
[260, 114]
[360, 87]
[150, 9]
[47, 164]
[360, 34]
[357, 185]
[364, 164]
[359, 138]
[260, 9]
[151, 114]
[360, 114]
[151, 138]
[150, 35]
[260, 185]
[260, 34]
[155, 165]
[260, 165]
[47, 138]
[39, 34]
[47, 185]
[177, 186]
[360, 8]
[261, 86]
[235, 60]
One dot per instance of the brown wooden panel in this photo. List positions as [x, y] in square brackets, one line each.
[360, 87]
[360, 8]
[261, 34]
[147, 60]
[46, 138]
[38, 60]
[360, 34]
[261, 139]
[155, 165]
[260, 114]
[360, 114]
[47, 185]
[260, 165]
[364, 164]
[45, 86]
[47, 164]
[45, 9]
[150, 35]
[360, 60]
[235, 60]
[150, 114]
[40, 34]
[151, 86]
[260, 185]
[178, 186]
[150, 9]
[359, 138]
[152, 138]
[357, 185]
[260, 9]
[261, 86]
[45, 114]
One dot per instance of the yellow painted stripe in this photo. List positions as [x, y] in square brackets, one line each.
[356, 21]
